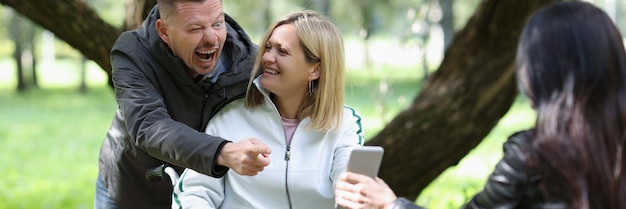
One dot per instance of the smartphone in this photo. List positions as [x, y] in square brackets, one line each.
[365, 160]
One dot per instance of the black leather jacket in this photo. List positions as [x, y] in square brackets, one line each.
[162, 113]
[512, 184]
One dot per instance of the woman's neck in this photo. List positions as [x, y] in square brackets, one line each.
[288, 106]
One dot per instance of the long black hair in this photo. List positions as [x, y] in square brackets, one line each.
[572, 64]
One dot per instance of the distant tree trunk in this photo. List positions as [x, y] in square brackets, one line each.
[82, 88]
[33, 47]
[366, 10]
[323, 6]
[136, 12]
[29, 33]
[447, 22]
[460, 103]
[268, 13]
[17, 56]
[15, 33]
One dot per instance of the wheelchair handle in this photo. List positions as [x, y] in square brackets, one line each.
[156, 174]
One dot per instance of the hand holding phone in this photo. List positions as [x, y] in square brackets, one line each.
[365, 160]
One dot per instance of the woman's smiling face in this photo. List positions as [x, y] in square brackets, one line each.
[285, 70]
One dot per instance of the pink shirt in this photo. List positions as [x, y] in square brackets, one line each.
[290, 127]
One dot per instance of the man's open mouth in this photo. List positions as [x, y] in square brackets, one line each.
[205, 55]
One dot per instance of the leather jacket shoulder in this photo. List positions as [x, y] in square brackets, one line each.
[512, 184]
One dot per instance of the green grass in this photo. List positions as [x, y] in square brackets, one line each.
[51, 136]
[50, 140]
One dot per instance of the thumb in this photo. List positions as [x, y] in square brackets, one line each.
[261, 148]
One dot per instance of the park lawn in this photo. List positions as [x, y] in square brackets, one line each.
[51, 136]
[50, 140]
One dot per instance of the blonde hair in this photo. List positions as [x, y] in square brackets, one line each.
[322, 43]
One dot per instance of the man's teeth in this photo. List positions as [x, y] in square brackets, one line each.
[273, 72]
[205, 55]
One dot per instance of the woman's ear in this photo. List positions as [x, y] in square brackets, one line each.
[315, 74]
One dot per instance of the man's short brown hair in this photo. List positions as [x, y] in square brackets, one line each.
[167, 8]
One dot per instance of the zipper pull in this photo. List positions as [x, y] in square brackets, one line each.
[288, 153]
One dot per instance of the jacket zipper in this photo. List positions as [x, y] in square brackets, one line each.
[202, 110]
[287, 156]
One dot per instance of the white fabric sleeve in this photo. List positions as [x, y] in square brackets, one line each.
[196, 190]
[351, 136]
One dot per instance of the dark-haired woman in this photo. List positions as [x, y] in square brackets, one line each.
[571, 64]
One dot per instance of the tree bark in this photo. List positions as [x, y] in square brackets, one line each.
[460, 103]
[74, 22]
[136, 12]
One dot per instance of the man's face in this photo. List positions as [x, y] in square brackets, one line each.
[196, 33]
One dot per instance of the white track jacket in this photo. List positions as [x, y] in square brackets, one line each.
[300, 175]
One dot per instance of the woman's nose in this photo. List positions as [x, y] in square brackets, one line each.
[268, 57]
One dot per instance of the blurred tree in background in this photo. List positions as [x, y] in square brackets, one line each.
[22, 33]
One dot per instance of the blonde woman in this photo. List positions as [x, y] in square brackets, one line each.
[294, 104]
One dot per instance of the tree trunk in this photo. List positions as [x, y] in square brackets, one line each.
[74, 22]
[324, 7]
[33, 47]
[267, 13]
[82, 87]
[136, 12]
[447, 22]
[17, 56]
[460, 103]
[16, 26]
